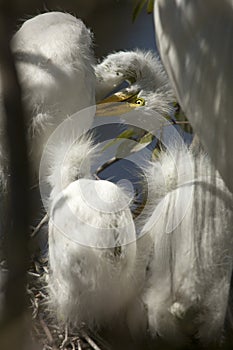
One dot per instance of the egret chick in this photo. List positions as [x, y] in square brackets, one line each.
[90, 257]
[78, 282]
[96, 274]
[54, 60]
[191, 227]
[148, 82]
[199, 66]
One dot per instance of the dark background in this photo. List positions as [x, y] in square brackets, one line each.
[110, 21]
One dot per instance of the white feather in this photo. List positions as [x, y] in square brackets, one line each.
[92, 252]
[195, 39]
[54, 60]
[145, 75]
[191, 227]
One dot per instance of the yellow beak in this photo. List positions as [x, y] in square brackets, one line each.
[110, 106]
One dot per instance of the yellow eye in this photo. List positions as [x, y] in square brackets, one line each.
[140, 102]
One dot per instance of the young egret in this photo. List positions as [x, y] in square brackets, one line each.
[98, 278]
[191, 227]
[96, 271]
[195, 39]
[148, 83]
[54, 60]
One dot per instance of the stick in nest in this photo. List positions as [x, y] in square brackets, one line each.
[90, 341]
[41, 223]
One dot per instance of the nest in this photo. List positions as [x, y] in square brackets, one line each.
[46, 330]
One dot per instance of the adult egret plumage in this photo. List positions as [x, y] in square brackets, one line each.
[195, 40]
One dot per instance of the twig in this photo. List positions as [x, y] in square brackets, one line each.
[107, 164]
[34, 186]
[47, 333]
[138, 210]
[38, 227]
[35, 308]
[96, 177]
[181, 122]
[33, 274]
[79, 344]
[66, 340]
[90, 341]
[72, 344]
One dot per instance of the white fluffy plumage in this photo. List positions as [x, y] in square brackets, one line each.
[176, 277]
[162, 277]
[54, 60]
[191, 227]
[90, 284]
[66, 161]
[97, 267]
[145, 75]
[91, 261]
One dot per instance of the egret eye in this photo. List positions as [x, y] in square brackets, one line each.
[140, 102]
[136, 101]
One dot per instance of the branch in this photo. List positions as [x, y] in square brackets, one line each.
[18, 202]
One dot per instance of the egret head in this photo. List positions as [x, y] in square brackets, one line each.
[147, 81]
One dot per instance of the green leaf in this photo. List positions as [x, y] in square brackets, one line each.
[150, 6]
[138, 8]
[131, 146]
[143, 142]
[156, 153]
[148, 138]
[126, 134]
[125, 148]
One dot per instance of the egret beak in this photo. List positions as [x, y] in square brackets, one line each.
[117, 104]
